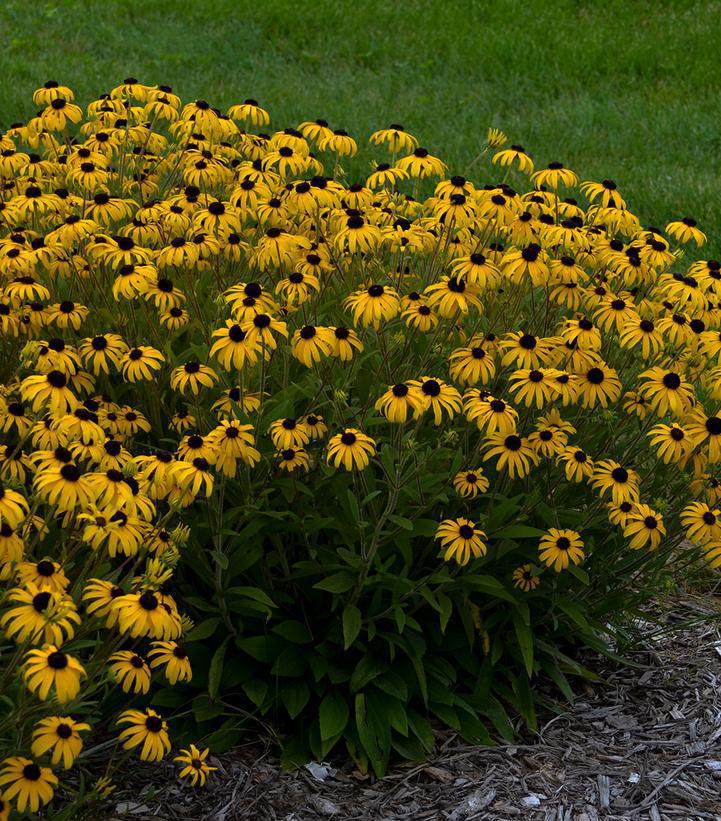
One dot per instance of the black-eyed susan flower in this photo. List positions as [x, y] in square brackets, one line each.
[45, 574]
[36, 616]
[525, 579]
[610, 478]
[261, 329]
[249, 112]
[553, 176]
[528, 263]
[50, 391]
[470, 483]
[103, 351]
[67, 488]
[351, 449]
[395, 138]
[577, 464]
[461, 539]
[289, 433]
[141, 363]
[618, 514]
[534, 386]
[420, 316]
[477, 270]
[492, 415]
[13, 507]
[311, 343]
[59, 736]
[193, 477]
[559, 548]
[514, 453]
[525, 350]
[421, 164]
[548, 441]
[686, 230]
[172, 657]
[339, 142]
[705, 430]
[52, 669]
[234, 440]
[400, 402]
[644, 527]
[27, 784]
[291, 459]
[98, 596]
[375, 304]
[514, 155]
[437, 396]
[702, 523]
[130, 670]
[452, 297]
[598, 385]
[666, 391]
[636, 404]
[194, 765]
[643, 334]
[472, 365]
[192, 377]
[345, 343]
[672, 443]
[147, 730]
[144, 614]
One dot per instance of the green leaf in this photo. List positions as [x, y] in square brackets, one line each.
[519, 532]
[573, 611]
[488, 585]
[262, 648]
[295, 696]
[254, 593]
[367, 669]
[579, 573]
[256, 690]
[374, 733]
[333, 715]
[293, 631]
[295, 754]
[524, 700]
[524, 637]
[337, 583]
[215, 672]
[352, 621]
[446, 606]
[204, 630]
[291, 662]
[559, 679]
[401, 521]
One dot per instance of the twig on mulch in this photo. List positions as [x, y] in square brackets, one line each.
[644, 744]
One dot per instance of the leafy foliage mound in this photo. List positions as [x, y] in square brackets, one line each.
[341, 459]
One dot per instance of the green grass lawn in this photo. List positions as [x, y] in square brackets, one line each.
[620, 89]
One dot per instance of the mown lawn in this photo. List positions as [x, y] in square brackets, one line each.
[622, 89]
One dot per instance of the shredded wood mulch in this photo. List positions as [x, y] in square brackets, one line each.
[644, 743]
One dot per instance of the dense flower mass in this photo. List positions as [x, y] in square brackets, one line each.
[212, 333]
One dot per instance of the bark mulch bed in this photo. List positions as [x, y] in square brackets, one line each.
[645, 743]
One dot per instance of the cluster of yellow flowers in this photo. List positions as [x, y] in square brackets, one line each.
[168, 270]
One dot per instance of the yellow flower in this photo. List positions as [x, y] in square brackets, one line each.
[26, 783]
[195, 769]
[559, 548]
[461, 540]
[61, 736]
[351, 449]
[146, 730]
[51, 668]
